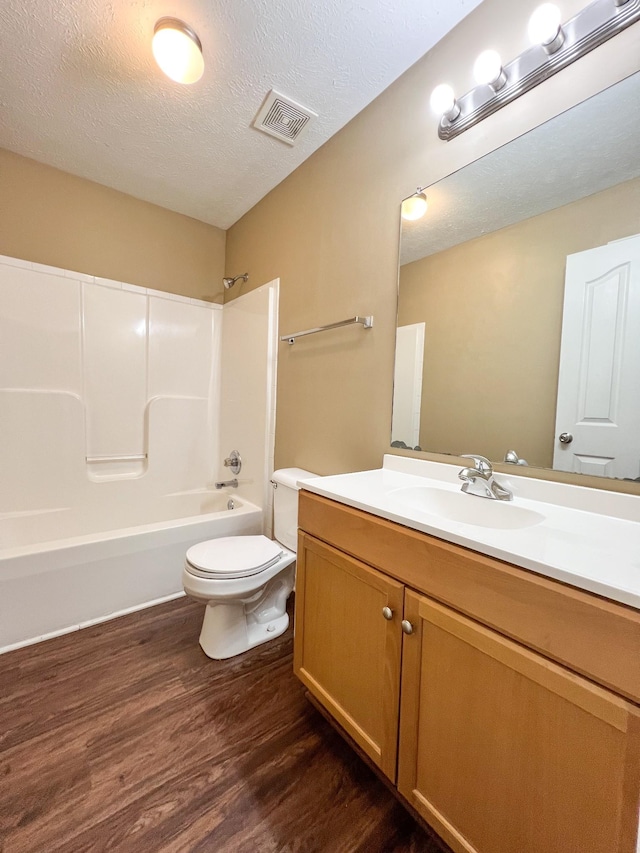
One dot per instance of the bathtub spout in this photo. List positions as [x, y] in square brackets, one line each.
[225, 483]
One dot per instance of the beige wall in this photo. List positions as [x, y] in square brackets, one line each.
[493, 314]
[51, 217]
[330, 231]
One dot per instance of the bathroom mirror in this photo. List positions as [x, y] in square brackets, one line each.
[493, 352]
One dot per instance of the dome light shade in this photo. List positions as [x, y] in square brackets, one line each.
[415, 206]
[177, 50]
[544, 26]
[488, 70]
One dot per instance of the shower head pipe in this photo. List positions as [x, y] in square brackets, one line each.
[229, 282]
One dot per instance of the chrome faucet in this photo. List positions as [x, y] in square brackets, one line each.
[223, 484]
[479, 480]
[512, 457]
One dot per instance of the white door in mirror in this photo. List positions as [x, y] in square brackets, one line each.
[599, 378]
[407, 384]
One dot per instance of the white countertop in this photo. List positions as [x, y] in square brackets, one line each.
[589, 538]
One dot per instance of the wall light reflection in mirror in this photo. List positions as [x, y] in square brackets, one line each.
[415, 206]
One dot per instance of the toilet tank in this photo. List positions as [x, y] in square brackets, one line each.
[285, 505]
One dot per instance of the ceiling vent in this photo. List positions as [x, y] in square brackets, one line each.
[283, 118]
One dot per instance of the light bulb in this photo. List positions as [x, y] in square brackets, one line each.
[488, 70]
[544, 27]
[415, 206]
[443, 102]
[177, 50]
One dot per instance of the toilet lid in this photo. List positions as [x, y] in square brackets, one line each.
[234, 556]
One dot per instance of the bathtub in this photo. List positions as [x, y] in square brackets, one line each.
[61, 569]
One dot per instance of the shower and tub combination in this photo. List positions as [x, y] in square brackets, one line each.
[116, 413]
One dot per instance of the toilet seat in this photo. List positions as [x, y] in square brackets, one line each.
[232, 557]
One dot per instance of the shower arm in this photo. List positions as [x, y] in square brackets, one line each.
[229, 282]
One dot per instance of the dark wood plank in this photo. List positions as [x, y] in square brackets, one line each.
[127, 737]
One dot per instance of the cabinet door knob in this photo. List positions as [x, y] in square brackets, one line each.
[387, 612]
[407, 627]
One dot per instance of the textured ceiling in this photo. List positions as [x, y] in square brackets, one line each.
[79, 89]
[580, 152]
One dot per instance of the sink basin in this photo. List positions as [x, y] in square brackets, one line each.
[467, 509]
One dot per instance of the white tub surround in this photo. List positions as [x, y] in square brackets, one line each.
[248, 391]
[584, 537]
[104, 388]
[110, 424]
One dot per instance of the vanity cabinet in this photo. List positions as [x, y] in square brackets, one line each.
[507, 740]
[346, 653]
[502, 750]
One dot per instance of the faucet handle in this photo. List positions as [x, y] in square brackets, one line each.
[480, 463]
[233, 461]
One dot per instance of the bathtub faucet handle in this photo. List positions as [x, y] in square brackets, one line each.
[233, 461]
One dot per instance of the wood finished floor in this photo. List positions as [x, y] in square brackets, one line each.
[127, 737]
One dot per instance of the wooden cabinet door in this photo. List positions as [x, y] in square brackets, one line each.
[502, 751]
[345, 651]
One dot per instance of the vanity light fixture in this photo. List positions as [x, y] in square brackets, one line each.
[443, 102]
[415, 206]
[554, 46]
[545, 28]
[488, 70]
[177, 50]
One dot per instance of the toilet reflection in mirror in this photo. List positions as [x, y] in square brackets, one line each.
[519, 299]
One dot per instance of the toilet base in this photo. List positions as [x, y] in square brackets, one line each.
[225, 634]
[231, 628]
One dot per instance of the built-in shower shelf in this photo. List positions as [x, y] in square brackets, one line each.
[134, 458]
[125, 467]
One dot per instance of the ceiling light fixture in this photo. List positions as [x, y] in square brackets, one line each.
[554, 47]
[177, 50]
[415, 206]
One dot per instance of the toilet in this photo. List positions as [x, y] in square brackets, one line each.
[246, 580]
